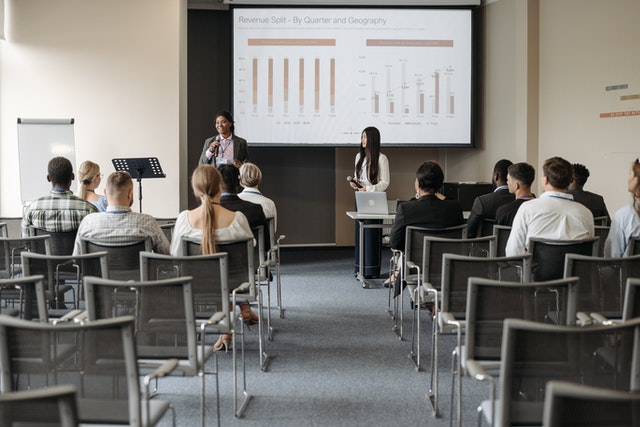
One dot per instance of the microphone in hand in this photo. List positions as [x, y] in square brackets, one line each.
[217, 146]
[353, 181]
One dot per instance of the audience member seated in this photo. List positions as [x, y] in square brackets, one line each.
[594, 202]
[250, 179]
[520, 176]
[211, 222]
[485, 206]
[90, 178]
[119, 220]
[429, 210]
[230, 200]
[626, 221]
[553, 215]
[60, 211]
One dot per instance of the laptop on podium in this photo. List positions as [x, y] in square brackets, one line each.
[372, 202]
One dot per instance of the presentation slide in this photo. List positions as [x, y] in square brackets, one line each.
[319, 76]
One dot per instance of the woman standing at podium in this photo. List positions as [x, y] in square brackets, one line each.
[371, 174]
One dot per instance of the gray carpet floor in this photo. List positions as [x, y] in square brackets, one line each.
[334, 359]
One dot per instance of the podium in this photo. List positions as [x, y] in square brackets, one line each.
[138, 168]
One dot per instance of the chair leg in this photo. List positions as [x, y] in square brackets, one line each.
[239, 410]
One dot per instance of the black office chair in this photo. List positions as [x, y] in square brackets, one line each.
[62, 242]
[548, 255]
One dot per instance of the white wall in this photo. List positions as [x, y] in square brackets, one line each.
[116, 67]
[586, 45]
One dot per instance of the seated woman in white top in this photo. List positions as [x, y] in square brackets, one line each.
[626, 221]
[211, 222]
[250, 179]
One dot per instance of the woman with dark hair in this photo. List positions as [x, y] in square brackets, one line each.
[226, 146]
[626, 221]
[371, 174]
[372, 167]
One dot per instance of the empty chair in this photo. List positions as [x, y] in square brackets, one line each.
[98, 358]
[123, 254]
[63, 273]
[433, 248]
[548, 255]
[489, 303]
[535, 353]
[12, 247]
[631, 308]
[602, 283]
[4, 229]
[13, 225]
[502, 235]
[450, 314]
[61, 241]
[165, 324]
[24, 297]
[575, 405]
[53, 406]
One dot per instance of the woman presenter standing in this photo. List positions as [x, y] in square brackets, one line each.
[226, 146]
[372, 174]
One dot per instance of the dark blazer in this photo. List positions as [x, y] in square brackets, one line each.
[428, 212]
[506, 212]
[485, 206]
[253, 211]
[594, 202]
[240, 150]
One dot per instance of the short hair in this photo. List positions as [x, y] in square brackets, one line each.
[230, 177]
[558, 171]
[60, 170]
[580, 174]
[118, 181]
[501, 167]
[430, 176]
[250, 175]
[522, 172]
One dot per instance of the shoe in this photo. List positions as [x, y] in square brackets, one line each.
[223, 342]
[249, 317]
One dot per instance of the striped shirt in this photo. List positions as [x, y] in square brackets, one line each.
[58, 212]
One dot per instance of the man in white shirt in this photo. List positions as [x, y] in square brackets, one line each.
[553, 215]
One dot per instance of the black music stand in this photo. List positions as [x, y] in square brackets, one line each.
[140, 167]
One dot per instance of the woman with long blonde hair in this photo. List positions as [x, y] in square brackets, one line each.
[626, 221]
[211, 222]
[90, 177]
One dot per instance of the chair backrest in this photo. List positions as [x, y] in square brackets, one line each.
[535, 353]
[601, 220]
[167, 229]
[456, 270]
[62, 242]
[414, 239]
[123, 254]
[240, 266]
[98, 358]
[548, 255]
[602, 282]
[262, 241]
[24, 297]
[631, 308]
[502, 235]
[633, 248]
[14, 225]
[53, 406]
[12, 247]
[433, 248]
[4, 229]
[65, 271]
[163, 311]
[601, 231]
[490, 302]
[209, 277]
[577, 405]
[486, 227]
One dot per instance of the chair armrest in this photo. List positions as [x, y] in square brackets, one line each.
[162, 371]
[449, 319]
[71, 316]
[600, 319]
[477, 371]
[213, 320]
[583, 319]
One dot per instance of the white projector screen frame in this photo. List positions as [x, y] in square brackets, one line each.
[319, 76]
